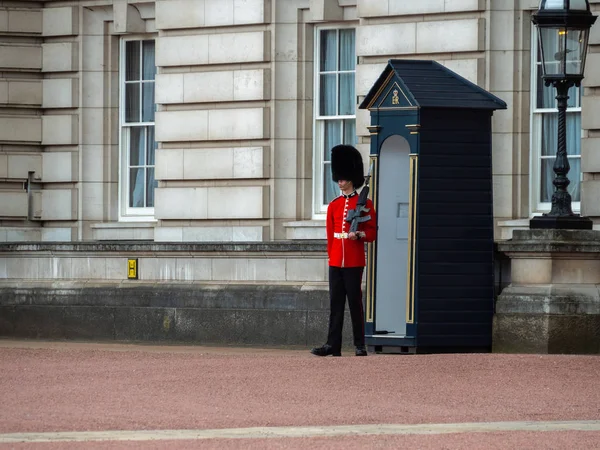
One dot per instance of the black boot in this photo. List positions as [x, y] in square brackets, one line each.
[360, 350]
[325, 350]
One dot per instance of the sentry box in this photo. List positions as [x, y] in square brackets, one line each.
[430, 276]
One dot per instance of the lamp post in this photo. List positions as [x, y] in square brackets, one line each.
[563, 30]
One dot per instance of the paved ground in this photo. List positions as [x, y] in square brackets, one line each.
[114, 396]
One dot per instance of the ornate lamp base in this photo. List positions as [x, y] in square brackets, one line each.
[574, 222]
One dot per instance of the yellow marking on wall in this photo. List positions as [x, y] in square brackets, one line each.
[132, 269]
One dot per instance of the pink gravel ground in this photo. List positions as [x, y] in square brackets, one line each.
[86, 387]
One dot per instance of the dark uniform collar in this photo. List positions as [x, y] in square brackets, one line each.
[352, 194]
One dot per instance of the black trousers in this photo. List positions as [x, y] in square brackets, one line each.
[345, 282]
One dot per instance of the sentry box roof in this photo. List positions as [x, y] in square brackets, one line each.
[426, 84]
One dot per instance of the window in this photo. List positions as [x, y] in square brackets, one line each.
[544, 138]
[138, 146]
[335, 108]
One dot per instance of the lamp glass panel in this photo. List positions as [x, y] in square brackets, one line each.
[582, 48]
[574, 5]
[578, 5]
[575, 51]
[552, 44]
[552, 4]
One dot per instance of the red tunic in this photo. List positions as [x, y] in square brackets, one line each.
[344, 252]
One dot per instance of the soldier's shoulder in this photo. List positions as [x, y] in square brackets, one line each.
[337, 199]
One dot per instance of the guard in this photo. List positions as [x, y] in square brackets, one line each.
[351, 222]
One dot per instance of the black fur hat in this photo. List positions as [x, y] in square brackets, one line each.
[347, 164]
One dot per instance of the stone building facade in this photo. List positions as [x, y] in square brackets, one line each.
[209, 120]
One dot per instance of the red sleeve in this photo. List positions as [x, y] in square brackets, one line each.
[370, 226]
[329, 228]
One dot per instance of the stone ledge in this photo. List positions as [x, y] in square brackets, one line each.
[550, 299]
[171, 247]
[507, 227]
[552, 241]
[123, 231]
[305, 230]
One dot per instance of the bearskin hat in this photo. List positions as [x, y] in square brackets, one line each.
[347, 164]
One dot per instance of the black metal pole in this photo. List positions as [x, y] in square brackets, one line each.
[561, 199]
[561, 215]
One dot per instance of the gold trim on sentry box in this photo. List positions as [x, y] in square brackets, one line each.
[413, 128]
[383, 86]
[374, 129]
[371, 250]
[412, 216]
[387, 94]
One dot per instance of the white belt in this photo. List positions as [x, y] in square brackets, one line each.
[340, 235]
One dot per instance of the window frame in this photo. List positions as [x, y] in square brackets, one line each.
[320, 208]
[126, 212]
[537, 207]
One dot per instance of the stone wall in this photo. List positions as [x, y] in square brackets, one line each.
[221, 314]
[251, 293]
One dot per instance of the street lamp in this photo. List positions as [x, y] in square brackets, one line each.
[563, 30]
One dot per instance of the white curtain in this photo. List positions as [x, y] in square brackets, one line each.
[150, 187]
[137, 158]
[347, 96]
[149, 66]
[333, 137]
[148, 73]
[328, 63]
[151, 183]
[136, 188]
[132, 60]
[132, 73]
[336, 132]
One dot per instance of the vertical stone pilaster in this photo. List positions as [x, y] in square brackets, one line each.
[61, 121]
[20, 118]
[590, 122]
[508, 64]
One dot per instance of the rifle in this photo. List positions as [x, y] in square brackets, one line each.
[354, 215]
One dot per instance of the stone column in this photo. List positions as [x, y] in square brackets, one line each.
[553, 302]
